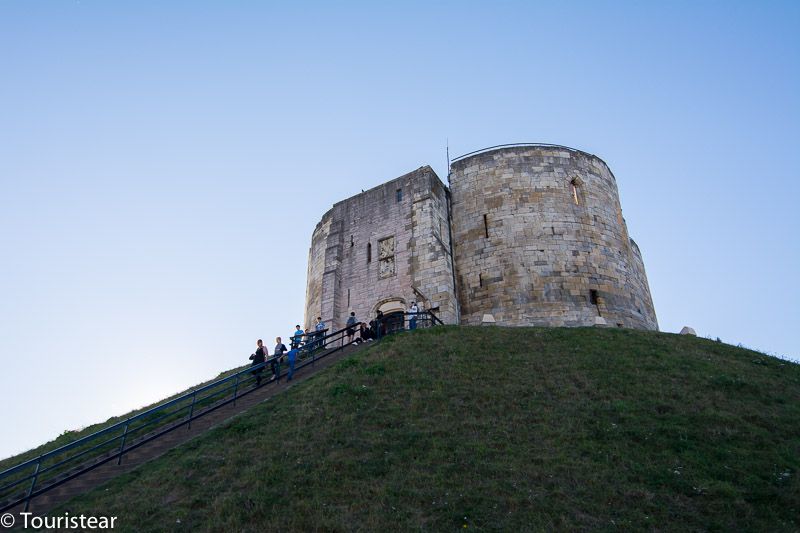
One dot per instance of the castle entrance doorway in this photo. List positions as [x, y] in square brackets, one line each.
[393, 314]
[394, 321]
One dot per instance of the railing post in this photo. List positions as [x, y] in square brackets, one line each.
[124, 437]
[236, 390]
[191, 410]
[33, 483]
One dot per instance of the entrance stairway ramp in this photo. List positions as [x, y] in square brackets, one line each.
[41, 484]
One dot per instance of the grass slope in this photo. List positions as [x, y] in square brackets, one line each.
[497, 429]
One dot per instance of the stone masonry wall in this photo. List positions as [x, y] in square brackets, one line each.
[532, 250]
[389, 245]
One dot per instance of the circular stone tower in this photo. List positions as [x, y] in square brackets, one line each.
[539, 239]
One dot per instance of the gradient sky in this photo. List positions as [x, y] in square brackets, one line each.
[163, 165]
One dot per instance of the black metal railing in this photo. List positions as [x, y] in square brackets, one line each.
[517, 145]
[29, 479]
[396, 322]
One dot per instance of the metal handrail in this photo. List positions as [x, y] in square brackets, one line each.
[307, 355]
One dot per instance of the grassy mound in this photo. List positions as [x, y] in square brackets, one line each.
[497, 429]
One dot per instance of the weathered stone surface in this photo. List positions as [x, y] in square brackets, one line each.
[538, 238]
[383, 249]
[686, 330]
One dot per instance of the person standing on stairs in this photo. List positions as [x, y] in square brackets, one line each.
[292, 356]
[319, 333]
[298, 337]
[351, 327]
[277, 354]
[258, 358]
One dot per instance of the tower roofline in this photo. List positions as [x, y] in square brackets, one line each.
[500, 147]
[419, 171]
[519, 145]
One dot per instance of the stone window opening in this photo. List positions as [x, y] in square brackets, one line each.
[593, 297]
[486, 226]
[352, 242]
[399, 195]
[369, 252]
[576, 191]
[480, 280]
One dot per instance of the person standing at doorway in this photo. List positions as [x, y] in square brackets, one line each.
[380, 325]
[413, 311]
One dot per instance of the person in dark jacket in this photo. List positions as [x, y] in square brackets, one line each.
[258, 358]
[380, 325]
[366, 332]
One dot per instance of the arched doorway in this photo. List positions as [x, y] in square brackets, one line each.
[393, 310]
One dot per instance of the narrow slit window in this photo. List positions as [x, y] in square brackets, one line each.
[348, 298]
[480, 279]
[593, 296]
[574, 185]
[399, 195]
[369, 252]
[486, 226]
[352, 242]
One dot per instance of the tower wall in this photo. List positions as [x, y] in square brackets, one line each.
[386, 248]
[530, 254]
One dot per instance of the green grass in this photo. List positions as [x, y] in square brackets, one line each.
[494, 429]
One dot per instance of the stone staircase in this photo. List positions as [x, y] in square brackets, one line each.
[92, 479]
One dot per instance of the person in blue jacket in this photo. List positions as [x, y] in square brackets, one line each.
[292, 355]
[298, 337]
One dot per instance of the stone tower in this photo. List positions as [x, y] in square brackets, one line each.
[383, 249]
[537, 233]
[540, 240]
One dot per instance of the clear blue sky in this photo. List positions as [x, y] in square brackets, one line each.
[163, 164]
